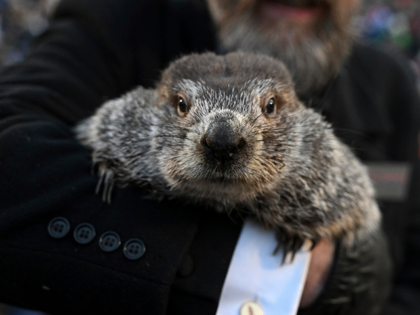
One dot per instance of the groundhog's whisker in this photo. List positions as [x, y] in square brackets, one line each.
[252, 123]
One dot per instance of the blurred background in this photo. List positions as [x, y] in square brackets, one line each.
[392, 25]
[20, 22]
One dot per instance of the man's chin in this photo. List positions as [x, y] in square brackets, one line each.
[313, 44]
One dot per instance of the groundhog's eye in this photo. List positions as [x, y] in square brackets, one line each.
[182, 106]
[270, 107]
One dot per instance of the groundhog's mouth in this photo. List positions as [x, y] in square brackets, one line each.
[224, 180]
[220, 187]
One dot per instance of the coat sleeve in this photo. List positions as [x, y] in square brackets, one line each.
[404, 147]
[377, 101]
[85, 57]
[389, 84]
[391, 134]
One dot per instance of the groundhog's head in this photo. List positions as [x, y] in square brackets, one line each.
[231, 131]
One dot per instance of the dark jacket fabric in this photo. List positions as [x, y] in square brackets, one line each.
[96, 50]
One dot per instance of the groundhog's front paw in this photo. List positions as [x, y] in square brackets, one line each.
[106, 180]
[292, 243]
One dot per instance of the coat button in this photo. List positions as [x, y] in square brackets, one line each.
[84, 233]
[58, 227]
[134, 249]
[251, 308]
[187, 266]
[109, 241]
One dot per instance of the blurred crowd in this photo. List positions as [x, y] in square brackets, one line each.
[393, 24]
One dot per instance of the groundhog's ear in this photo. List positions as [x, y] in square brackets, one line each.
[163, 94]
[287, 96]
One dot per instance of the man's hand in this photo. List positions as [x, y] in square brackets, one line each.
[319, 269]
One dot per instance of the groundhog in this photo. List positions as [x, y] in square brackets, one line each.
[230, 132]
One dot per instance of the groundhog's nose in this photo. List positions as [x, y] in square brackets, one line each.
[221, 141]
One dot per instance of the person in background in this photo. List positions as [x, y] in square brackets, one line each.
[96, 50]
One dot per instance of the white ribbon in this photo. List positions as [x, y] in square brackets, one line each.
[255, 274]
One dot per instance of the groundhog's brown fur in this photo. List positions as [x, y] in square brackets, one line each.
[230, 131]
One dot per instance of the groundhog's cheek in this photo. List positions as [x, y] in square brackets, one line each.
[259, 165]
[184, 163]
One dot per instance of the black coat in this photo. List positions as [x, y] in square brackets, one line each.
[95, 50]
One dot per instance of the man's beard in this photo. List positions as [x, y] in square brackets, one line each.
[313, 54]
